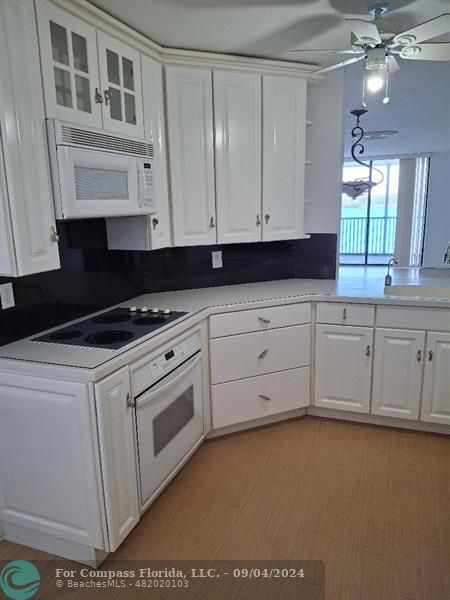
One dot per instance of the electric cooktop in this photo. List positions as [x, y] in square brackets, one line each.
[113, 329]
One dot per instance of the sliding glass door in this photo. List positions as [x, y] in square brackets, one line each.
[368, 222]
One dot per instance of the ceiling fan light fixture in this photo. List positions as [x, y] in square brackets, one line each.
[375, 81]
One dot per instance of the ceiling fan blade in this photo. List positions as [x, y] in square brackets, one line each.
[350, 51]
[344, 63]
[425, 31]
[436, 51]
[393, 65]
[365, 31]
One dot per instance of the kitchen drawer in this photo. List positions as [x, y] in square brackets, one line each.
[410, 317]
[240, 401]
[258, 353]
[343, 313]
[259, 319]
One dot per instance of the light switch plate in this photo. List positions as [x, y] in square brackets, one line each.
[217, 259]
[7, 295]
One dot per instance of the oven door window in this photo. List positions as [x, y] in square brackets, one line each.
[170, 421]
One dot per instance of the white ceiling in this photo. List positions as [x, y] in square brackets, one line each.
[264, 28]
[420, 91]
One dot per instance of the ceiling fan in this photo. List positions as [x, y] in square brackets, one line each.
[379, 48]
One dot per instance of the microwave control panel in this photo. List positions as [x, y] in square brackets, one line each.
[147, 193]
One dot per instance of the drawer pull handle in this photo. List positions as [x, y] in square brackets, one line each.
[368, 351]
[419, 355]
[430, 355]
[266, 398]
[344, 314]
[263, 320]
[131, 403]
[263, 353]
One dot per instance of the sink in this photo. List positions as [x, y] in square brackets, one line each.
[418, 291]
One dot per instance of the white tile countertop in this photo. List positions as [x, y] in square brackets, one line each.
[92, 364]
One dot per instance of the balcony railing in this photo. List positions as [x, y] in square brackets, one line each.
[381, 235]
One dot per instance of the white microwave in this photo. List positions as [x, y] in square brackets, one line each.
[95, 174]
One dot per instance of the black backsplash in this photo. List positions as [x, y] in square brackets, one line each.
[92, 277]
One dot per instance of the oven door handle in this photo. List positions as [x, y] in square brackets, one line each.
[166, 384]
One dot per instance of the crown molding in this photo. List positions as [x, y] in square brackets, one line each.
[100, 19]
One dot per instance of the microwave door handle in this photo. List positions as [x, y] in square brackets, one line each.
[168, 382]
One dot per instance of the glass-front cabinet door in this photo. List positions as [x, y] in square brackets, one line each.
[69, 66]
[121, 86]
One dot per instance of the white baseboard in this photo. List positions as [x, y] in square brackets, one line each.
[53, 545]
[292, 414]
[329, 413]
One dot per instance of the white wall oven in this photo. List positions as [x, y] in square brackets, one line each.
[95, 174]
[169, 412]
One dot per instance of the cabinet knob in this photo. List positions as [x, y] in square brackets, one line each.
[131, 403]
[344, 314]
[264, 397]
[108, 95]
[263, 353]
[258, 220]
[430, 355]
[155, 222]
[368, 351]
[419, 355]
[54, 235]
[98, 97]
[266, 218]
[211, 223]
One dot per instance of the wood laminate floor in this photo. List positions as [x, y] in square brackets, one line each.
[372, 503]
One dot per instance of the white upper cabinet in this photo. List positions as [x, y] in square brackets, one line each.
[191, 155]
[28, 241]
[69, 66]
[121, 88]
[436, 383]
[343, 367]
[397, 374]
[237, 114]
[89, 77]
[284, 124]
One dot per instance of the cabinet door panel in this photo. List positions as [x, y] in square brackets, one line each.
[284, 124]
[191, 153]
[48, 459]
[237, 116]
[397, 377]
[343, 367]
[26, 211]
[121, 86]
[152, 86]
[115, 424]
[436, 383]
[69, 66]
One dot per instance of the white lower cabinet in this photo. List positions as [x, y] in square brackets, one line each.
[49, 485]
[117, 449]
[397, 375]
[343, 367]
[256, 397]
[436, 382]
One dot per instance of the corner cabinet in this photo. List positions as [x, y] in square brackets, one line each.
[397, 374]
[338, 347]
[284, 133]
[117, 453]
[89, 77]
[191, 155]
[237, 124]
[28, 240]
[436, 382]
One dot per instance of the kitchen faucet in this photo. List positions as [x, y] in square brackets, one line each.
[388, 278]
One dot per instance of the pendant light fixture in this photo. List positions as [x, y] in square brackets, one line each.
[356, 188]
